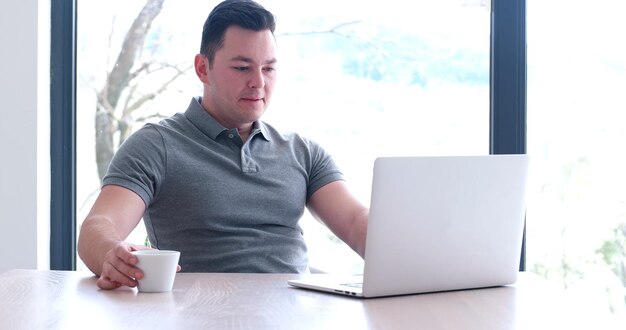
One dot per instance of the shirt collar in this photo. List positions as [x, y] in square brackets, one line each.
[201, 118]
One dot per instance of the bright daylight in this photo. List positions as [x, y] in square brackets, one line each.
[368, 79]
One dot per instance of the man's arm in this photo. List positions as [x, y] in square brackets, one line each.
[342, 213]
[116, 212]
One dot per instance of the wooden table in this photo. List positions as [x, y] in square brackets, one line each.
[31, 299]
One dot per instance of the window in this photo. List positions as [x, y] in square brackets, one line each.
[364, 79]
[576, 216]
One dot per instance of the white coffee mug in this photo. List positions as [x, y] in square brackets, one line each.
[159, 269]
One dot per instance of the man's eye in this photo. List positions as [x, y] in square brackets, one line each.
[240, 68]
[269, 69]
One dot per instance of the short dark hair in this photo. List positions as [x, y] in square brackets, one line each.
[243, 13]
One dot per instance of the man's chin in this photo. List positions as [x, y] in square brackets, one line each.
[253, 115]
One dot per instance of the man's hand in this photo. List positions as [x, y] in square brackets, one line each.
[118, 268]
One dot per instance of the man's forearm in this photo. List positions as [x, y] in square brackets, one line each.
[97, 237]
[358, 232]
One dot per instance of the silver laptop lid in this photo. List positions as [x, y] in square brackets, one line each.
[444, 223]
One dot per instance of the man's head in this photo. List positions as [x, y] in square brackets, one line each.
[243, 13]
[237, 63]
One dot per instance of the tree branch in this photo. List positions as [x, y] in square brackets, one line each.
[334, 30]
[119, 77]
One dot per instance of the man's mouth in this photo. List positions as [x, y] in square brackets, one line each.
[252, 99]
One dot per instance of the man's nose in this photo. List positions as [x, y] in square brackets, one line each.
[257, 80]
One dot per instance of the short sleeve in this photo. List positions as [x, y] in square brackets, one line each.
[323, 170]
[139, 164]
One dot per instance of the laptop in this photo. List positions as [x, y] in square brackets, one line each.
[438, 224]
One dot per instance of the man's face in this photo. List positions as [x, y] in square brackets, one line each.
[239, 85]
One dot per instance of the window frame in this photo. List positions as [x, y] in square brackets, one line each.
[507, 127]
[507, 85]
[63, 135]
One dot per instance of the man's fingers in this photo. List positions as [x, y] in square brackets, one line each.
[106, 284]
[119, 269]
[118, 273]
[122, 261]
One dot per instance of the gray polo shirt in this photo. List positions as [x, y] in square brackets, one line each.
[228, 206]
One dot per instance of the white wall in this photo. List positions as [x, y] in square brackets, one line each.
[24, 152]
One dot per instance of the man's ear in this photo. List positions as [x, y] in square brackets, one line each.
[201, 64]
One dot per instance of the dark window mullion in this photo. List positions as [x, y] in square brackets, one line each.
[508, 83]
[63, 135]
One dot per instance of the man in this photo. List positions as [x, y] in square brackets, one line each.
[216, 183]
